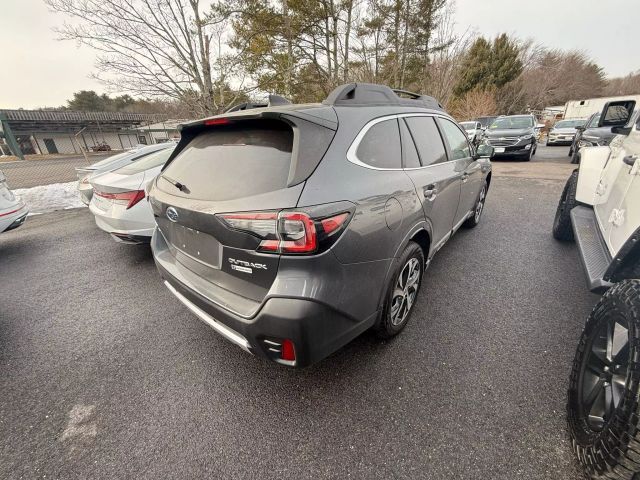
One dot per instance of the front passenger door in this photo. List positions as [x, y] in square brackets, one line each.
[470, 170]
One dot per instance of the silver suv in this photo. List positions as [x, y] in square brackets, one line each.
[292, 229]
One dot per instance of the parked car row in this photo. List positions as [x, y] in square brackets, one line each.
[291, 229]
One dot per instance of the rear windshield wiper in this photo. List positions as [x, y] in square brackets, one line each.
[180, 186]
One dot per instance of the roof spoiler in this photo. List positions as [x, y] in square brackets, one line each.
[374, 94]
[274, 100]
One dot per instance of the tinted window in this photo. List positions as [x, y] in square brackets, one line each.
[409, 152]
[428, 140]
[380, 147]
[594, 121]
[233, 162]
[569, 124]
[147, 162]
[113, 158]
[506, 123]
[457, 140]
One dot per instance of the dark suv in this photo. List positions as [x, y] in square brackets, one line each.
[512, 136]
[292, 229]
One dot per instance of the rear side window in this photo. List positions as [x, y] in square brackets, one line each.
[380, 147]
[147, 162]
[233, 162]
[457, 140]
[428, 141]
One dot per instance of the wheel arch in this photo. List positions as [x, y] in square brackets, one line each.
[420, 234]
[592, 163]
[626, 264]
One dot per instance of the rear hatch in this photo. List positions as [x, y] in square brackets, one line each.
[219, 196]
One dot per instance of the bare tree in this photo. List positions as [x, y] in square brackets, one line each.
[445, 62]
[629, 85]
[156, 48]
[475, 103]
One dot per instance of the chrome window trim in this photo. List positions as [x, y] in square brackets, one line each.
[351, 152]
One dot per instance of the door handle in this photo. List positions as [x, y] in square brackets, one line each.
[465, 177]
[430, 192]
[630, 160]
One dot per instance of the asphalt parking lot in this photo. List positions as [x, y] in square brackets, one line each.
[104, 374]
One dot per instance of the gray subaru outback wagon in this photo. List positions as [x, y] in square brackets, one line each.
[292, 229]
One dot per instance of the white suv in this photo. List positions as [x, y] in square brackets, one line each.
[600, 209]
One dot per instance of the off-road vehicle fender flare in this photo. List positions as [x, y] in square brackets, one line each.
[592, 162]
[421, 234]
[626, 264]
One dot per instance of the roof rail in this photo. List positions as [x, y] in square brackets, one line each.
[352, 94]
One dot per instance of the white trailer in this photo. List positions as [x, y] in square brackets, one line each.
[584, 108]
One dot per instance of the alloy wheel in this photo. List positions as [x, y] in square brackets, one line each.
[405, 291]
[604, 373]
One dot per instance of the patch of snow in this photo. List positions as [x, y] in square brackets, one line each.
[47, 198]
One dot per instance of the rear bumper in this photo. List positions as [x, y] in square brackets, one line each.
[315, 328]
[13, 217]
[124, 225]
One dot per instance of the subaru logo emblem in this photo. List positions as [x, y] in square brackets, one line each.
[172, 214]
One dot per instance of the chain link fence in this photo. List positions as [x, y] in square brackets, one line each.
[53, 144]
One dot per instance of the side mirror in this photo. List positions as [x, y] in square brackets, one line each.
[616, 114]
[483, 151]
[621, 130]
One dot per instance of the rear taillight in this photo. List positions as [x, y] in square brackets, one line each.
[122, 198]
[288, 232]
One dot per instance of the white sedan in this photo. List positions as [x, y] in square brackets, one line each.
[119, 204]
[111, 163]
[13, 211]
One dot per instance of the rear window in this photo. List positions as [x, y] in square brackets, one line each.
[147, 162]
[380, 147]
[113, 158]
[233, 162]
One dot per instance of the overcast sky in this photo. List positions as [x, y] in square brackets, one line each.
[38, 70]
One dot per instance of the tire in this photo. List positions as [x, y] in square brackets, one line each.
[478, 208]
[575, 158]
[395, 315]
[602, 405]
[530, 154]
[562, 229]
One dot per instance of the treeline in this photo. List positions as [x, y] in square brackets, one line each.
[90, 101]
[204, 58]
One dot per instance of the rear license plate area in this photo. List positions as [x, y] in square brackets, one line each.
[193, 243]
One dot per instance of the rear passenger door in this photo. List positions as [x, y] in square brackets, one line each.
[436, 179]
[468, 169]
